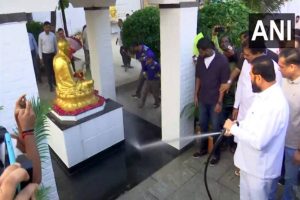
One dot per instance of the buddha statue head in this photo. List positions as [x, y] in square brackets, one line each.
[64, 47]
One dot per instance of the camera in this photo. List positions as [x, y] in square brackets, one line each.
[220, 29]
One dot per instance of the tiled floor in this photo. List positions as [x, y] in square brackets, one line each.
[117, 170]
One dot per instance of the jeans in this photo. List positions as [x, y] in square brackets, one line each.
[48, 62]
[140, 84]
[291, 174]
[207, 116]
[36, 66]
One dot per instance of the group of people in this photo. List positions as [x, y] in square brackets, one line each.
[46, 48]
[149, 78]
[252, 94]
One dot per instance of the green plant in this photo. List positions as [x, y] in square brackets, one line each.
[232, 14]
[35, 28]
[41, 127]
[40, 132]
[143, 27]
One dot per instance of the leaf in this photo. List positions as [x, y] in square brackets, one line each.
[189, 111]
[42, 193]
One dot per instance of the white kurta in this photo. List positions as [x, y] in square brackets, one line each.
[244, 95]
[261, 134]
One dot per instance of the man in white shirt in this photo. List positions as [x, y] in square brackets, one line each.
[289, 62]
[34, 55]
[47, 49]
[297, 22]
[244, 95]
[261, 134]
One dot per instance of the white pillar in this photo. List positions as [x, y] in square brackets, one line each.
[99, 39]
[178, 23]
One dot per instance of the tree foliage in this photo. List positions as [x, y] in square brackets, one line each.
[143, 27]
[35, 28]
[264, 5]
[256, 5]
[233, 15]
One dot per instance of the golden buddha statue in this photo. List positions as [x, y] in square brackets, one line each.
[113, 12]
[72, 91]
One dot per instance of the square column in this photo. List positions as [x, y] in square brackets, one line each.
[178, 24]
[99, 40]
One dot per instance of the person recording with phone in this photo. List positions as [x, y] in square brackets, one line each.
[25, 140]
[15, 174]
[25, 119]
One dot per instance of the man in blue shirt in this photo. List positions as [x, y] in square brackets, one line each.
[141, 52]
[151, 72]
[34, 54]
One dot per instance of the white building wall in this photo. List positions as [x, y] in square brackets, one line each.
[16, 70]
[75, 17]
[16, 78]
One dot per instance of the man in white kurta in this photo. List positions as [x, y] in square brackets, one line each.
[261, 134]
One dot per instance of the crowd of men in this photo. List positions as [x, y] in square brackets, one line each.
[252, 94]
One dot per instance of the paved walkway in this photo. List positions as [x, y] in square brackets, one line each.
[182, 179]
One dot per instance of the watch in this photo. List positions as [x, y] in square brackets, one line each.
[229, 81]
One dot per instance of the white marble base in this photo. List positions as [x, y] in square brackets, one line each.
[79, 142]
[78, 117]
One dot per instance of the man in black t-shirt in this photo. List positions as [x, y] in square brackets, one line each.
[212, 70]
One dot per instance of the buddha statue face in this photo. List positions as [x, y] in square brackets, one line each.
[64, 47]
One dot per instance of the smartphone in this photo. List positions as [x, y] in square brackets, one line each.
[10, 149]
[11, 153]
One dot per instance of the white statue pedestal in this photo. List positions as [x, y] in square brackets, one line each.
[75, 142]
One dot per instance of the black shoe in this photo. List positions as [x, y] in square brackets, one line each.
[130, 66]
[214, 161]
[281, 181]
[141, 105]
[199, 154]
[135, 96]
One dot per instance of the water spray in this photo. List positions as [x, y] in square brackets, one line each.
[202, 135]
